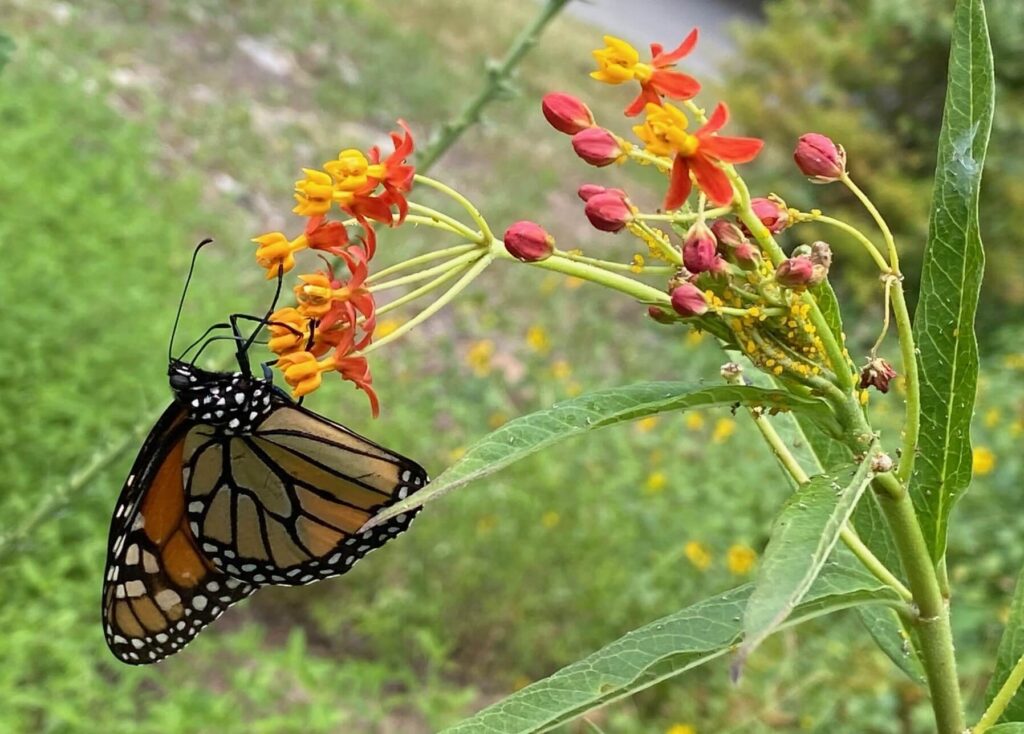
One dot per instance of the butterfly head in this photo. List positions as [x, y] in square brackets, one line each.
[229, 401]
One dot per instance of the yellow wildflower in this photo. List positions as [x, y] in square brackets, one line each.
[550, 519]
[537, 339]
[561, 370]
[984, 461]
[497, 420]
[646, 425]
[656, 482]
[698, 555]
[479, 357]
[694, 421]
[486, 524]
[385, 327]
[456, 453]
[992, 417]
[572, 283]
[681, 729]
[573, 389]
[740, 559]
[724, 428]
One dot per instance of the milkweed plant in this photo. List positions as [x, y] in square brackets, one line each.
[866, 524]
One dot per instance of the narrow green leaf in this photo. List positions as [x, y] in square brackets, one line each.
[883, 624]
[531, 433]
[1011, 648]
[660, 650]
[1008, 728]
[828, 303]
[951, 280]
[802, 538]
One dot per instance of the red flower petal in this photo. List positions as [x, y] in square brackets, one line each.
[712, 180]
[648, 95]
[662, 59]
[679, 186]
[675, 84]
[716, 122]
[730, 149]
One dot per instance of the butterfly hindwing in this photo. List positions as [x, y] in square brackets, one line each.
[159, 590]
[283, 503]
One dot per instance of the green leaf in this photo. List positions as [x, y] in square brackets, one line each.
[531, 433]
[660, 650]
[951, 280]
[1011, 648]
[884, 626]
[829, 305]
[802, 538]
[1008, 728]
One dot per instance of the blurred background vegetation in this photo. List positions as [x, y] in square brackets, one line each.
[130, 131]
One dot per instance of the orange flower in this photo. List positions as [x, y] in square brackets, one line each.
[313, 193]
[289, 331]
[301, 371]
[664, 133]
[314, 294]
[275, 253]
[619, 62]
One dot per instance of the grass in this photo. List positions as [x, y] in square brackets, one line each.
[132, 131]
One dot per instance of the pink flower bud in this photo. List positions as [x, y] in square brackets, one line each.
[700, 249]
[566, 113]
[796, 272]
[609, 211]
[819, 158]
[773, 214]
[746, 255]
[597, 146]
[727, 233]
[877, 374]
[528, 241]
[588, 190]
[687, 300]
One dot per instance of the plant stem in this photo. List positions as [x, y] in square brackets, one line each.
[686, 217]
[853, 232]
[434, 218]
[497, 81]
[911, 380]
[477, 268]
[890, 242]
[465, 203]
[444, 267]
[559, 264]
[932, 621]
[622, 267]
[420, 260]
[423, 289]
[1002, 700]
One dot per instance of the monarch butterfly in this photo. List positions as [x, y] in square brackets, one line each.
[237, 487]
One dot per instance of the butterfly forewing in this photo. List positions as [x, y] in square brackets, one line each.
[159, 591]
[283, 503]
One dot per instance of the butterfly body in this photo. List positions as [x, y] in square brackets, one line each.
[238, 487]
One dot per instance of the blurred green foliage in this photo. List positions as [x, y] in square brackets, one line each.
[871, 75]
[150, 126]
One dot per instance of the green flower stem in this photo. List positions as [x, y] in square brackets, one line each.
[686, 217]
[423, 289]
[846, 534]
[868, 245]
[470, 275]
[497, 82]
[1002, 699]
[440, 220]
[890, 242]
[621, 267]
[911, 380]
[662, 163]
[932, 621]
[465, 203]
[420, 260]
[561, 264]
[659, 240]
[444, 267]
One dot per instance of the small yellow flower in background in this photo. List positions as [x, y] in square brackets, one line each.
[681, 729]
[456, 453]
[656, 482]
[984, 461]
[573, 389]
[992, 417]
[537, 339]
[698, 555]
[550, 284]
[694, 337]
[1017, 428]
[550, 519]
[694, 421]
[479, 357]
[486, 524]
[561, 370]
[573, 283]
[740, 559]
[386, 327]
[497, 420]
[724, 428]
[646, 425]
[1014, 361]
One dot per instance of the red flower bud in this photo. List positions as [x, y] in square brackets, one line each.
[746, 255]
[609, 211]
[773, 214]
[819, 158]
[687, 300]
[727, 233]
[588, 190]
[798, 272]
[877, 374]
[566, 113]
[597, 146]
[700, 249]
[529, 242]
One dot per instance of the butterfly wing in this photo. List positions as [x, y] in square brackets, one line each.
[284, 503]
[159, 591]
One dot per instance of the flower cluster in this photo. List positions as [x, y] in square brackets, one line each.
[334, 316]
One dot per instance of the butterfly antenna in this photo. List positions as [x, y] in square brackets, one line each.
[184, 290]
[243, 349]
